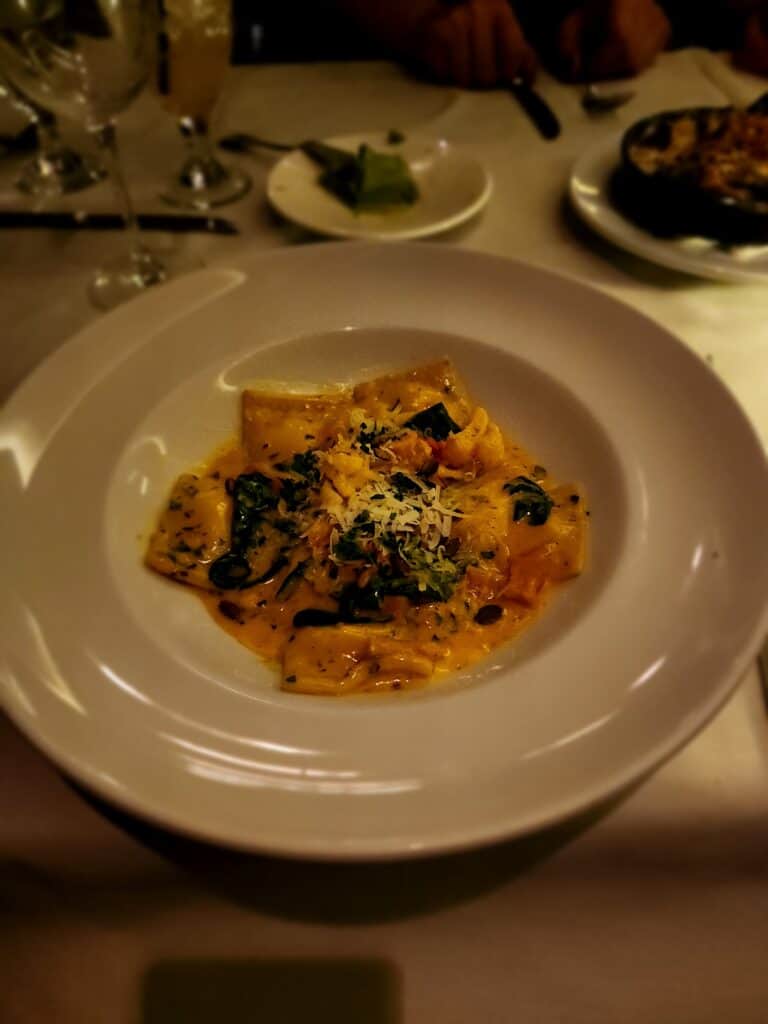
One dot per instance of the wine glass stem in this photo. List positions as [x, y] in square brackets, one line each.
[106, 137]
[18, 100]
[195, 132]
[46, 129]
[48, 138]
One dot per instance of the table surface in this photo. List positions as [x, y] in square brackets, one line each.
[656, 909]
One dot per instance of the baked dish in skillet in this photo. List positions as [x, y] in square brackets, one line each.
[701, 171]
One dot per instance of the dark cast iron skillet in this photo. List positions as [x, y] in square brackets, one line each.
[670, 204]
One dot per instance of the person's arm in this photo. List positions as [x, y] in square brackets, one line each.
[752, 52]
[395, 24]
[469, 43]
[610, 39]
[737, 25]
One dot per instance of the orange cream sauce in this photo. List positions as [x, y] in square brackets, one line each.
[493, 568]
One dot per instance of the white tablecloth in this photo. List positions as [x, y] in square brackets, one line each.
[656, 910]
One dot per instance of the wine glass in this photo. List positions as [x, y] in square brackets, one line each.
[88, 60]
[56, 169]
[197, 38]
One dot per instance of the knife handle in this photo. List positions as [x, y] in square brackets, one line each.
[537, 109]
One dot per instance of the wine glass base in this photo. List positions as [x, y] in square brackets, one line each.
[118, 282]
[206, 182]
[58, 173]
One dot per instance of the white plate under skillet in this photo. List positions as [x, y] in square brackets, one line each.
[453, 186]
[590, 196]
[125, 682]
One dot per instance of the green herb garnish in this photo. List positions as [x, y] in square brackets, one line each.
[488, 614]
[295, 492]
[366, 180]
[303, 464]
[533, 503]
[347, 547]
[230, 572]
[362, 604]
[404, 485]
[370, 435]
[434, 422]
[252, 496]
[431, 576]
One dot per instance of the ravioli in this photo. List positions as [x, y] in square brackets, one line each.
[374, 538]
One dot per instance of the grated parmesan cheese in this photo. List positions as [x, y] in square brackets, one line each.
[421, 514]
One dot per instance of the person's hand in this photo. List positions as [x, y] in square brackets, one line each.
[611, 39]
[753, 54]
[475, 43]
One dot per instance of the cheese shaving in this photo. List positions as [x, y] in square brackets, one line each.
[421, 514]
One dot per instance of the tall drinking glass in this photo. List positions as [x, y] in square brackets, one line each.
[88, 60]
[198, 35]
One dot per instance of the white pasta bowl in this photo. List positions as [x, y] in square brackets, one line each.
[128, 685]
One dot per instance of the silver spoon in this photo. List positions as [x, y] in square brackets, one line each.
[596, 102]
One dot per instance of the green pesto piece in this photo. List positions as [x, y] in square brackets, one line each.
[366, 181]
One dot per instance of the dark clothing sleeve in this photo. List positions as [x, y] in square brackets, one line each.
[714, 23]
[296, 30]
[717, 24]
[305, 30]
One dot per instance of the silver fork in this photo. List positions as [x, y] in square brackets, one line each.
[596, 102]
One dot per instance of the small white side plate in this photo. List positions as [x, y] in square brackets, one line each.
[589, 193]
[453, 187]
